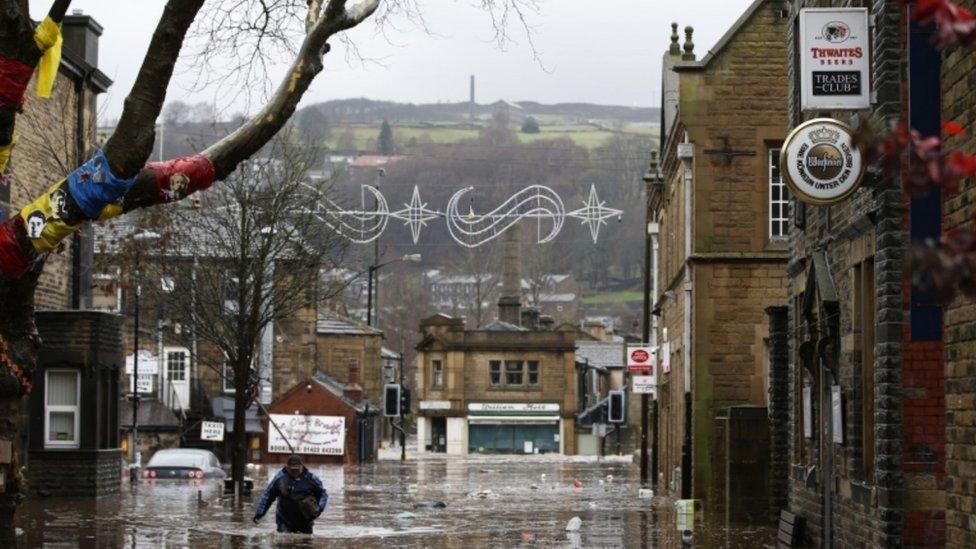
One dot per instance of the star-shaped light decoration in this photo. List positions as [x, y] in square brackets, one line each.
[415, 215]
[594, 213]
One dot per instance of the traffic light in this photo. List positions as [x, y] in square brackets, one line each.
[616, 407]
[392, 400]
[404, 401]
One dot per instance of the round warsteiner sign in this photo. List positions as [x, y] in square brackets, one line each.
[819, 163]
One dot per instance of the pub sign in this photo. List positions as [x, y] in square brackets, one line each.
[834, 59]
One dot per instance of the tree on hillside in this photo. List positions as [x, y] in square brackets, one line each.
[315, 125]
[385, 144]
[531, 125]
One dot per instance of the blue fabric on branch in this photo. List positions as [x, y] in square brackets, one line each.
[93, 186]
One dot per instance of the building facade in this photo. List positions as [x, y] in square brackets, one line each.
[719, 209]
[500, 389]
[866, 390]
[959, 105]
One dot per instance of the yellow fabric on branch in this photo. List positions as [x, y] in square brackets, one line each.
[5, 154]
[43, 219]
[110, 211]
[47, 37]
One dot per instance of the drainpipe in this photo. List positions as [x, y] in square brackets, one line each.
[686, 450]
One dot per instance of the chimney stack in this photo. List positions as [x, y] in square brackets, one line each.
[353, 390]
[510, 302]
[81, 34]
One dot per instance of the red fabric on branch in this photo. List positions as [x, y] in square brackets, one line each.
[180, 177]
[14, 77]
[14, 262]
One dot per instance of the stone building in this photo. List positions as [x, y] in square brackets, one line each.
[959, 105]
[55, 135]
[720, 209]
[508, 387]
[866, 383]
[70, 436]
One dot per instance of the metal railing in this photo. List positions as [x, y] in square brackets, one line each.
[169, 396]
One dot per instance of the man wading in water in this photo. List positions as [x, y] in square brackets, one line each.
[301, 498]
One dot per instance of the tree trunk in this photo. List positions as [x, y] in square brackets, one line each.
[241, 401]
[9, 499]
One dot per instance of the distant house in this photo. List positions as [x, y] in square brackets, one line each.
[324, 420]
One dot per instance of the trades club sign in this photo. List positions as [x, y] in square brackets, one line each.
[820, 164]
[834, 59]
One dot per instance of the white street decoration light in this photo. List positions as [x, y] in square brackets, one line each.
[468, 229]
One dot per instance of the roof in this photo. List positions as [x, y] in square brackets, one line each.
[331, 323]
[374, 160]
[723, 41]
[223, 409]
[152, 415]
[557, 298]
[338, 390]
[389, 354]
[603, 354]
[502, 326]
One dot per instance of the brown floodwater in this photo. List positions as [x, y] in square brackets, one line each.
[490, 502]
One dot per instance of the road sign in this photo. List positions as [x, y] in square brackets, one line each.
[212, 430]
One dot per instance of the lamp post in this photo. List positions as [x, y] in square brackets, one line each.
[140, 238]
[411, 258]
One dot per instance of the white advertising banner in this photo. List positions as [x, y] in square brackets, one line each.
[212, 430]
[666, 357]
[319, 435]
[835, 56]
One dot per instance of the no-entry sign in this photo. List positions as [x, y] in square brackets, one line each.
[640, 358]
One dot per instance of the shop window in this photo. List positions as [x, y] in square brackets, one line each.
[438, 368]
[863, 317]
[495, 372]
[514, 373]
[534, 373]
[61, 409]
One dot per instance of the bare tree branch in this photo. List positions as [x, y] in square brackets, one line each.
[131, 143]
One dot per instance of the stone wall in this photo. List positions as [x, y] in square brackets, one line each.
[45, 153]
[959, 105]
[76, 473]
[731, 114]
[897, 498]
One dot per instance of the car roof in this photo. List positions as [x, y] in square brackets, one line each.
[184, 451]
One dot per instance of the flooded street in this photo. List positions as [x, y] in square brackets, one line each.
[490, 502]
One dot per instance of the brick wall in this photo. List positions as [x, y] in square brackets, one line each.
[959, 105]
[79, 473]
[901, 504]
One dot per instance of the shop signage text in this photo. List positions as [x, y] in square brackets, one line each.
[834, 59]
[320, 435]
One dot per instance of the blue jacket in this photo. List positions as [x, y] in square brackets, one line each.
[289, 491]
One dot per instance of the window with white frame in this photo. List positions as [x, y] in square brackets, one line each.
[228, 377]
[176, 364]
[438, 377]
[779, 200]
[62, 389]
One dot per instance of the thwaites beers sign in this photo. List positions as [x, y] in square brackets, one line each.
[834, 59]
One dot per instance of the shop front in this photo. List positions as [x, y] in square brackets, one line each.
[514, 428]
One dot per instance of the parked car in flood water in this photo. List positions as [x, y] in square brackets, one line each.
[183, 464]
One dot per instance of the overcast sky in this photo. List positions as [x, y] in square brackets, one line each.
[606, 52]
